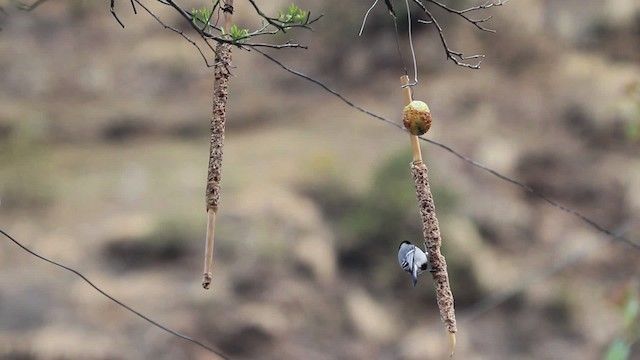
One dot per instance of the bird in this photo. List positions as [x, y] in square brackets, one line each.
[413, 260]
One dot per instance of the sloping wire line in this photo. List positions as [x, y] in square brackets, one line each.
[120, 303]
[366, 15]
[532, 191]
[467, 159]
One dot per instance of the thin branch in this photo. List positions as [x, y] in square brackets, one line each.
[179, 32]
[113, 12]
[463, 13]
[484, 6]
[458, 57]
[390, 7]
[241, 42]
[269, 19]
[280, 25]
[284, 25]
[275, 46]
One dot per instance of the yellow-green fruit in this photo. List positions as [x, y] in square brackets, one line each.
[417, 117]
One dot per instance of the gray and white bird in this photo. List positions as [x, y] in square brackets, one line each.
[413, 260]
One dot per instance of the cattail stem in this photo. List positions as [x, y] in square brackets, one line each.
[415, 148]
[431, 233]
[214, 173]
[415, 144]
[208, 251]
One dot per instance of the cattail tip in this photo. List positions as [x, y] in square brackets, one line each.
[206, 280]
[452, 343]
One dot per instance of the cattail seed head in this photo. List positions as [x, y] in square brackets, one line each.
[417, 117]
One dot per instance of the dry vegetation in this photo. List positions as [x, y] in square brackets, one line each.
[103, 151]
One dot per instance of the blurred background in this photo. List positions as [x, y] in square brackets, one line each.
[103, 158]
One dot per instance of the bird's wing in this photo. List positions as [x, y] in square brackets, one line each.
[408, 262]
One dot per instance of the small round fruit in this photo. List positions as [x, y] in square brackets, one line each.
[417, 117]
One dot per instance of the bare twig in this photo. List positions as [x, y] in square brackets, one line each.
[211, 31]
[457, 57]
[390, 7]
[284, 25]
[242, 41]
[113, 12]
[463, 13]
[179, 32]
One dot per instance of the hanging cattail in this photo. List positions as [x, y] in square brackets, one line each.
[214, 173]
[417, 119]
[433, 241]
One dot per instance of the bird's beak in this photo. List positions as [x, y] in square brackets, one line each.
[414, 276]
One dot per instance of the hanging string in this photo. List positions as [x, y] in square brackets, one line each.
[397, 36]
[413, 52]
[366, 15]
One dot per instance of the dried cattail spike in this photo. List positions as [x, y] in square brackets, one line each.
[431, 233]
[214, 173]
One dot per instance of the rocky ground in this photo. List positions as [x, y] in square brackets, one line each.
[103, 153]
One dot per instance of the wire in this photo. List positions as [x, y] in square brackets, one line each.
[447, 148]
[532, 191]
[397, 37]
[413, 52]
[366, 15]
[120, 303]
